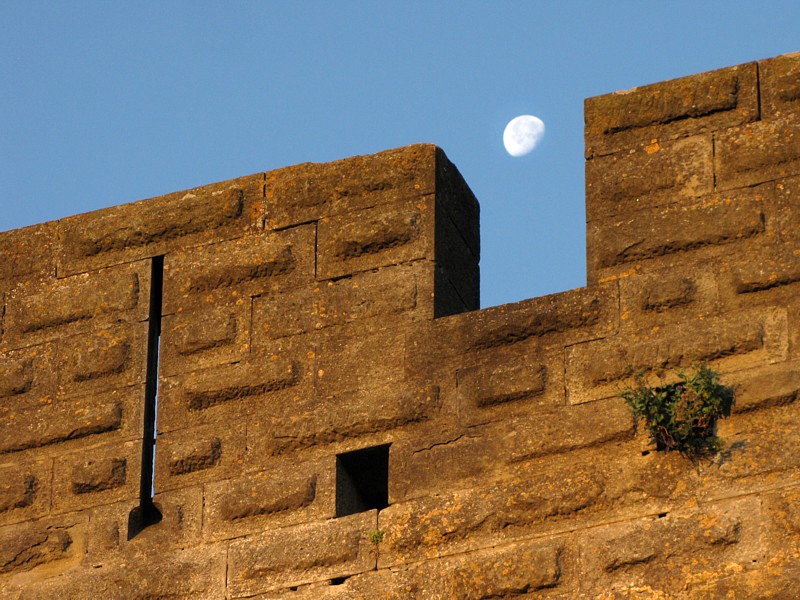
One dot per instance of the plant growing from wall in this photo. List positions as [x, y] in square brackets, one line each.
[682, 416]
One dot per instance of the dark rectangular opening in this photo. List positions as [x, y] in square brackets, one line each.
[147, 513]
[362, 480]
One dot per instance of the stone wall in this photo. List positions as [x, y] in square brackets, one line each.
[312, 311]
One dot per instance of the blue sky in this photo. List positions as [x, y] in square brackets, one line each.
[110, 102]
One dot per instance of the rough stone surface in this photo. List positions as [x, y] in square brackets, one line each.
[320, 350]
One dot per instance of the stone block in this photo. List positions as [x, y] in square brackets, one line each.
[197, 455]
[767, 276]
[532, 567]
[675, 235]
[450, 523]
[375, 237]
[140, 230]
[96, 475]
[459, 203]
[566, 429]
[65, 423]
[108, 358]
[442, 458]
[25, 491]
[780, 85]
[764, 387]
[27, 379]
[758, 443]
[657, 298]
[191, 573]
[232, 271]
[656, 174]
[43, 548]
[456, 265]
[205, 335]
[510, 383]
[42, 311]
[384, 292]
[649, 551]
[27, 254]
[360, 356]
[535, 325]
[671, 109]
[301, 554]
[341, 422]
[757, 152]
[182, 514]
[311, 191]
[234, 391]
[605, 368]
[288, 493]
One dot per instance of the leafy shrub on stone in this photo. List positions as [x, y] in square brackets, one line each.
[682, 416]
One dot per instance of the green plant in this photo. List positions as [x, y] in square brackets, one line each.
[682, 415]
[376, 536]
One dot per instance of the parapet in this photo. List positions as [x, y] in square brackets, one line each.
[335, 417]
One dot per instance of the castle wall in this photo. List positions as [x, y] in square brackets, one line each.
[320, 309]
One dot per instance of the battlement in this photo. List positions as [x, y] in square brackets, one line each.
[336, 418]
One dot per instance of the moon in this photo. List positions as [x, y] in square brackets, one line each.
[523, 134]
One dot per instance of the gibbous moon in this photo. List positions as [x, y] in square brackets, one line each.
[523, 134]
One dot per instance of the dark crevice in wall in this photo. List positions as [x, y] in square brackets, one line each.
[147, 513]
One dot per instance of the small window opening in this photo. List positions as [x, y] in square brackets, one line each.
[362, 480]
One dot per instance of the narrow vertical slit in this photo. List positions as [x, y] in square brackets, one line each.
[147, 513]
[758, 91]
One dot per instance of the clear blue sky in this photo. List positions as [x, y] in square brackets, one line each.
[110, 102]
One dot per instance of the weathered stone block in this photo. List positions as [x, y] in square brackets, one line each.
[758, 152]
[288, 493]
[182, 514]
[104, 359]
[311, 191]
[291, 313]
[57, 426]
[234, 391]
[749, 277]
[780, 85]
[27, 254]
[657, 298]
[40, 548]
[757, 443]
[25, 491]
[510, 383]
[341, 351]
[459, 203]
[567, 429]
[671, 109]
[604, 368]
[384, 292]
[648, 551]
[666, 237]
[347, 420]
[205, 335]
[536, 324]
[192, 573]
[647, 176]
[231, 271]
[153, 227]
[524, 568]
[191, 456]
[375, 237]
[42, 311]
[302, 554]
[27, 379]
[466, 520]
[98, 475]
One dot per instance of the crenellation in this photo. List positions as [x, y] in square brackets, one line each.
[317, 350]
